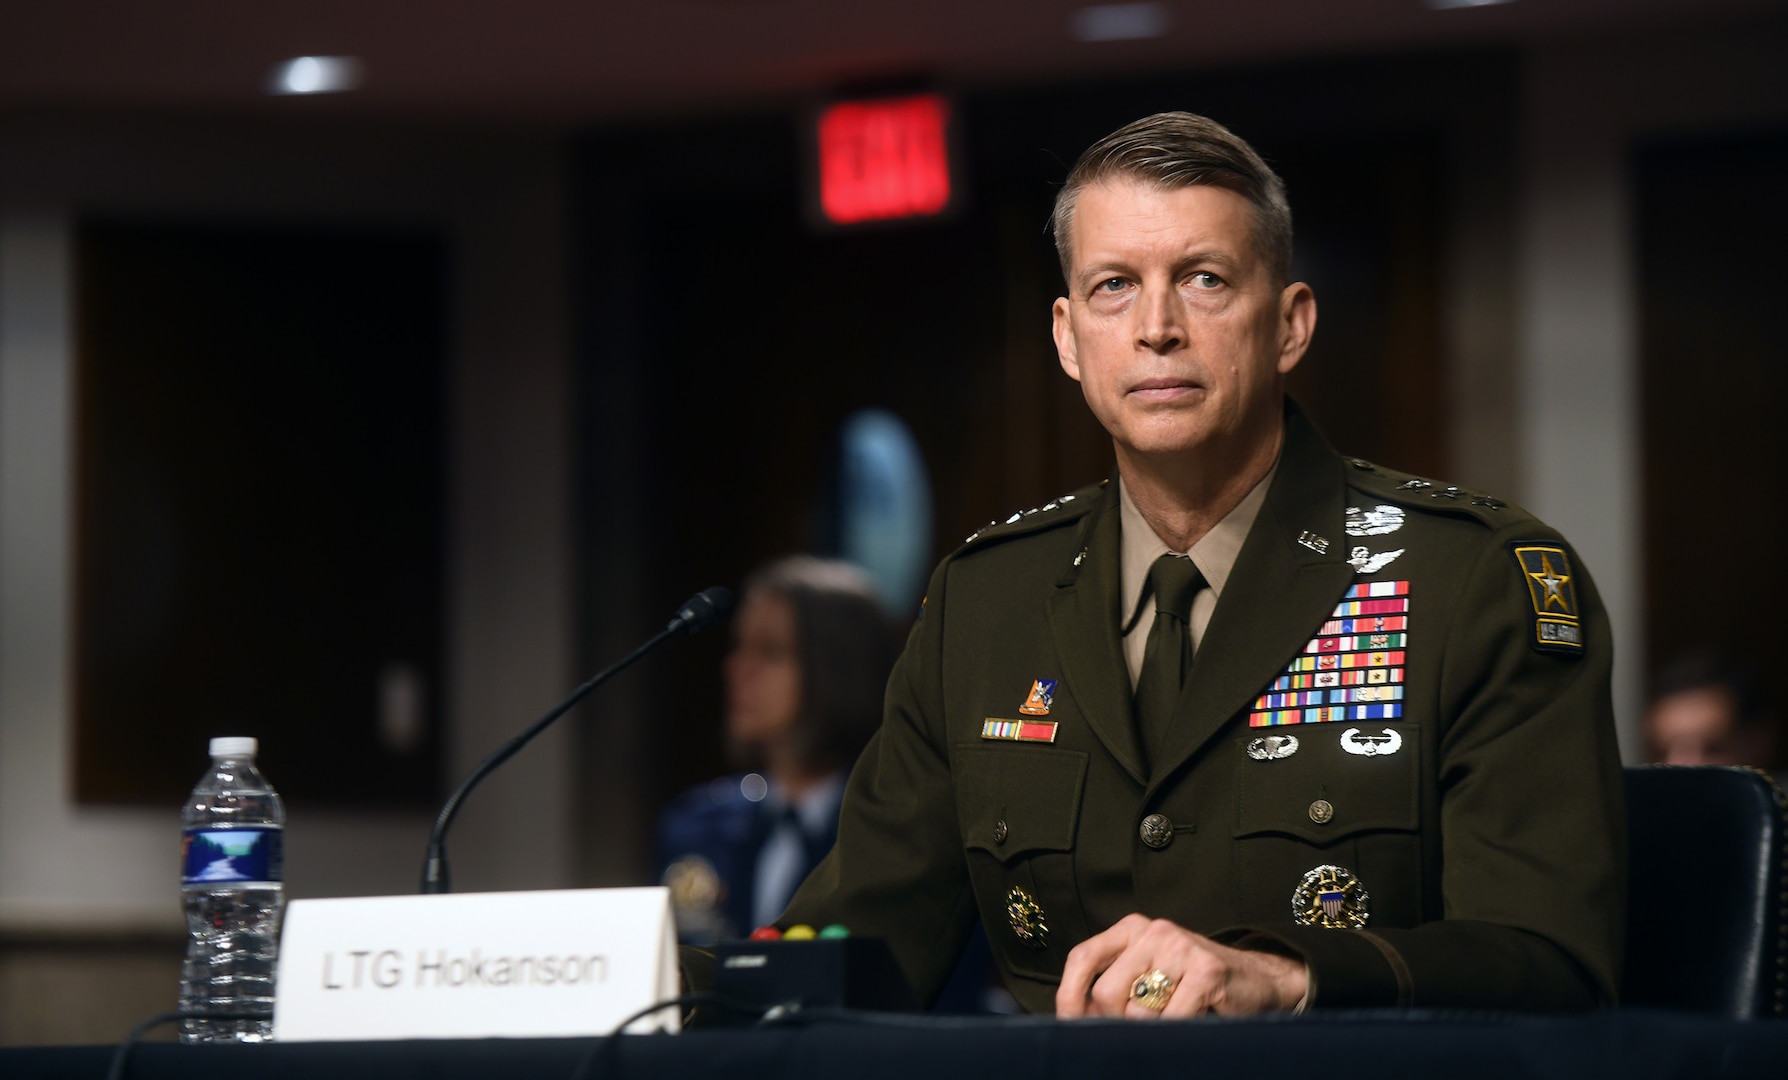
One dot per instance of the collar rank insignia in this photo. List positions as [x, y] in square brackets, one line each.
[1041, 697]
[1552, 588]
[1330, 897]
[1352, 669]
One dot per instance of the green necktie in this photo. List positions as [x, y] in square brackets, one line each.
[1167, 658]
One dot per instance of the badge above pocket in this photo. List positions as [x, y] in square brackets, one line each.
[1336, 784]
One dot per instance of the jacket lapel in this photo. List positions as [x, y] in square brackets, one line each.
[1278, 594]
[1083, 620]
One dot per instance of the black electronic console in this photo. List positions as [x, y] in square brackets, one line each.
[753, 977]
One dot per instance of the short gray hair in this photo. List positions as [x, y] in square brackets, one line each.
[1180, 149]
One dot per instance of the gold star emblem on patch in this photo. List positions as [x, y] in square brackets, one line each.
[1552, 588]
[1553, 582]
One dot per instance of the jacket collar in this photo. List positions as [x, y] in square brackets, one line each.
[1280, 590]
[1083, 619]
[1291, 572]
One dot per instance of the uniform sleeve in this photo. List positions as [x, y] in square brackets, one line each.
[898, 870]
[1532, 817]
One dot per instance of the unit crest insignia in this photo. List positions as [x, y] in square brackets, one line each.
[1331, 897]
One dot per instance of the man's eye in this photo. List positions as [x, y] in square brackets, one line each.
[1115, 284]
[1204, 279]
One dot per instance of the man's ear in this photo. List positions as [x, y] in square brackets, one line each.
[1297, 324]
[1062, 327]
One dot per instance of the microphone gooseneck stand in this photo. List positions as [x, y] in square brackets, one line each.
[702, 610]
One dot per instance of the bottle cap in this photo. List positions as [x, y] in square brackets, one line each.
[235, 746]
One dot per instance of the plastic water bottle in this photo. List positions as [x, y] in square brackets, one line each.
[230, 880]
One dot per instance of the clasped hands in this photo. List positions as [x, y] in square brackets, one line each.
[1101, 971]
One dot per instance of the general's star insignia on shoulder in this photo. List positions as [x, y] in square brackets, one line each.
[1552, 587]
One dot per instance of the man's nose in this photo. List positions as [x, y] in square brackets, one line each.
[1161, 319]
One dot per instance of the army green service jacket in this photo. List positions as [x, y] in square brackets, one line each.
[1450, 834]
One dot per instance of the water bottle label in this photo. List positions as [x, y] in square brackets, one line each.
[223, 856]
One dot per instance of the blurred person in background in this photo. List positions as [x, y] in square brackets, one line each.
[804, 679]
[1706, 710]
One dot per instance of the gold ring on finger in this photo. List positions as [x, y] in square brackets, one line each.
[1152, 989]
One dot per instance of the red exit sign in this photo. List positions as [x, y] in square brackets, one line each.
[884, 159]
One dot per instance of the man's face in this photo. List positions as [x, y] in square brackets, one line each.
[1698, 727]
[1173, 324]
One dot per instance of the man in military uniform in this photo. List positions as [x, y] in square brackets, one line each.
[1252, 726]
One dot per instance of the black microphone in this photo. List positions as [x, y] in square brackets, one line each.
[701, 611]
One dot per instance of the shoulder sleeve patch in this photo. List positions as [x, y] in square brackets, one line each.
[1552, 589]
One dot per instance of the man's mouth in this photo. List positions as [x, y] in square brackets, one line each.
[1164, 389]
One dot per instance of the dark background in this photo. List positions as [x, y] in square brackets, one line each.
[719, 341]
[260, 514]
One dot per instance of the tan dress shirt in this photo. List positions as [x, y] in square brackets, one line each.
[1214, 555]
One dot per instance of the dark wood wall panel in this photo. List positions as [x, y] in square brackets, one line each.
[1712, 227]
[260, 507]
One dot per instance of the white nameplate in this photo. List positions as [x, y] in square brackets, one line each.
[476, 965]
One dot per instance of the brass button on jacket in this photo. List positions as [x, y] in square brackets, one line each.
[999, 831]
[1157, 831]
[1322, 811]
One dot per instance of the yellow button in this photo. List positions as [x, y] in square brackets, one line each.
[799, 932]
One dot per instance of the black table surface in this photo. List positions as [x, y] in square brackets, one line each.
[867, 1046]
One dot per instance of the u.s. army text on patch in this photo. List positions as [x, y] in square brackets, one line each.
[1552, 587]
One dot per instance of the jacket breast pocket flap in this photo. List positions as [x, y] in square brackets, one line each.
[1017, 800]
[1333, 787]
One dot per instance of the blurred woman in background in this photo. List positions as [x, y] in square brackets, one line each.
[804, 680]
